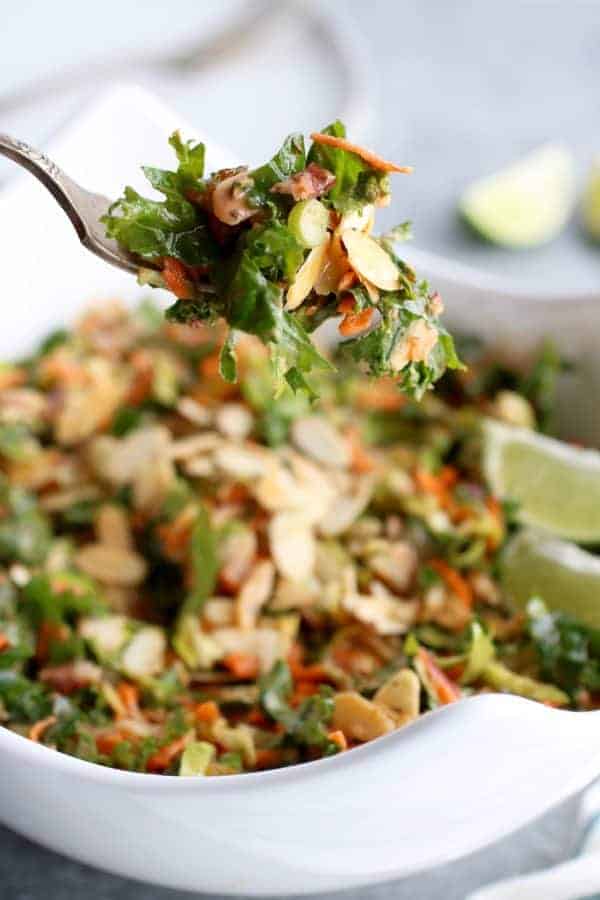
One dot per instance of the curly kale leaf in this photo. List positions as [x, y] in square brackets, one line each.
[356, 183]
[306, 725]
[568, 651]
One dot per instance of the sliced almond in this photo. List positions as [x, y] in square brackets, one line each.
[219, 612]
[194, 445]
[335, 266]
[359, 718]
[112, 527]
[278, 489]
[395, 564]
[194, 412]
[144, 655]
[370, 261]
[293, 594]
[357, 219]
[241, 463]
[400, 696]
[237, 553]
[234, 421]
[255, 593]
[199, 467]
[385, 613]
[306, 276]
[292, 545]
[111, 565]
[345, 510]
[267, 644]
[319, 439]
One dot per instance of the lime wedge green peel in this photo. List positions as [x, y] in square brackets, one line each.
[556, 486]
[526, 204]
[590, 204]
[566, 577]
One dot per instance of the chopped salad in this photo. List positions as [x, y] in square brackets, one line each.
[277, 250]
[204, 578]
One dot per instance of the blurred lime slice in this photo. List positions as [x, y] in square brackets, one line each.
[525, 204]
[556, 486]
[563, 575]
[590, 204]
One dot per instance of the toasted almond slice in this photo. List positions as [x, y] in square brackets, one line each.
[234, 421]
[334, 266]
[144, 655]
[194, 412]
[199, 467]
[395, 564]
[255, 592]
[357, 219]
[219, 612]
[294, 595]
[278, 489]
[267, 644]
[370, 261]
[344, 511]
[359, 718]
[242, 463]
[188, 447]
[237, 553]
[306, 276]
[376, 162]
[371, 290]
[382, 611]
[319, 439]
[292, 545]
[111, 565]
[112, 527]
[400, 695]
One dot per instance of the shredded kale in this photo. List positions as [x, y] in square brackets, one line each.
[568, 651]
[306, 725]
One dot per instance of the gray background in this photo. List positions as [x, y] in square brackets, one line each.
[457, 89]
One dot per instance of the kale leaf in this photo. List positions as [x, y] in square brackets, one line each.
[306, 725]
[568, 651]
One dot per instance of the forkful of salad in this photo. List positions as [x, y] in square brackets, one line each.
[275, 251]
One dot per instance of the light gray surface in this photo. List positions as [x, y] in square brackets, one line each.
[463, 88]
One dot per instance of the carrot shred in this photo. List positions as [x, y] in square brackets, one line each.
[338, 737]
[267, 758]
[346, 304]
[453, 580]
[445, 689]
[106, 743]
[207, 712]
[376, 162]
[38, 728]
[347, 280]
[176, 278]
[4, 642]
[163, 758]
[257, 717]
[129, 695]
[242, 665]
[354, 323]
[361, 461]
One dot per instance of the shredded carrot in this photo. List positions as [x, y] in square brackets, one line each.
[207, 712]
[445, 689]
[163, 758]
[242, 665]
[257, 717]
[346, 304]
[361, 461]
[209, 366]
[268, 758]
[106, 743]
[302, 690]
[338, 737]
[376, 162]
[494, 507]
[129, 695]
[454, 580]
[4, 642]
[354, 323]
[176, 278]
[380, 395]
[38, 728]
[347, 280]
[141, 383]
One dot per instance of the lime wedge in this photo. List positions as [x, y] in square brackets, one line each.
[590, 204]
[556, 486]
[525, 204]
[566, 577]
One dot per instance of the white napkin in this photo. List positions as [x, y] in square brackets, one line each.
[578, 879]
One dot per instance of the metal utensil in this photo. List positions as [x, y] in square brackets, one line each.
[83, 208]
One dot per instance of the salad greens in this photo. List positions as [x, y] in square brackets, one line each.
[268, 250]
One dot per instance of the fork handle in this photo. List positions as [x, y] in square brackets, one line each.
[45, 170]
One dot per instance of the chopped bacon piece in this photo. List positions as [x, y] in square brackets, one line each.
[71, 677]
[313, 181]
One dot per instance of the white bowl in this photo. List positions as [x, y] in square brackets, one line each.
[452, 782]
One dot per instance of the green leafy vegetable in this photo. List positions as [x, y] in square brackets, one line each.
[308, 723]
[568, 651]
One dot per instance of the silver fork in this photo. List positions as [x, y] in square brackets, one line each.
[83, 208]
